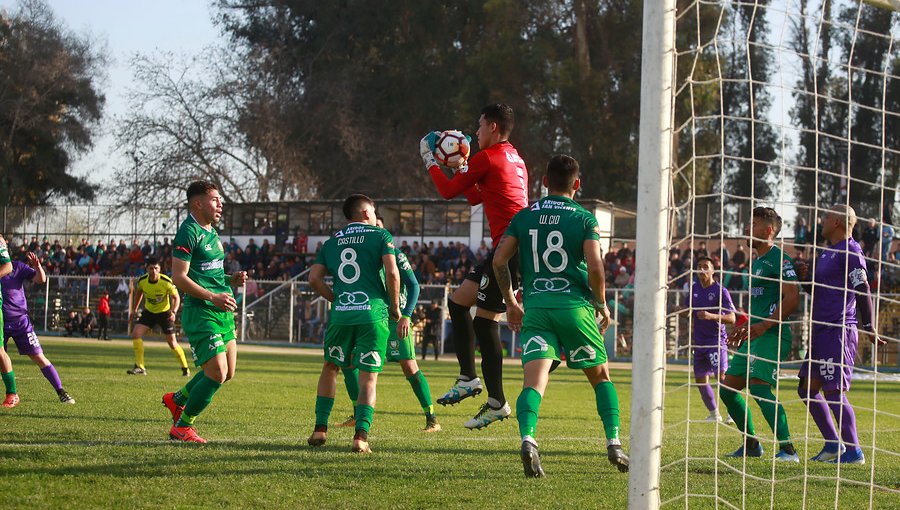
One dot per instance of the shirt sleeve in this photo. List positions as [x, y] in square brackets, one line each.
[856, 270]
[788, 272]
[320, 255]
[387, 246]
[408, 277]
[513, 229]
[461, 182]
[591, 229]
[4, 254]
[27, 272]
[184, 244]
[727, 303]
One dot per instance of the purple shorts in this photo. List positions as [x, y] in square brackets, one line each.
[831, 356]
[22, 332]
[710, 361]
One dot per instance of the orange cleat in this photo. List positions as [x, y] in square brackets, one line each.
[12, 400]
[185, 434]
[168, 400]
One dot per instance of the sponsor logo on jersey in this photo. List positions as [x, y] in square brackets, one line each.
[534, 344]
[536, 206]
[555, 284]
[352, 301]
[336, 352]
[212, 265]
[370, 359]
[583, 353]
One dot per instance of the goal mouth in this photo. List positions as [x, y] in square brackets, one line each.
[777, 128]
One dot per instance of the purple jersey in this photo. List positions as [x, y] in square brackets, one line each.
[14, 305]
[838, 270]
[713, 299]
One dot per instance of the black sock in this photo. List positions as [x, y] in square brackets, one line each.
[488, 334]
[752, 443]
[463, 339]
[788, 448]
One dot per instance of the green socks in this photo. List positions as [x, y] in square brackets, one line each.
[323, 410]
[772, 411]
[364, 416]
[527, 411]
[608, 408]
[351, 381]
[9, 380]
[200, 397]
[737, 409]
[181, 396]
[423, 392]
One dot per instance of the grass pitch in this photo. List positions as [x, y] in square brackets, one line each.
[110, 450]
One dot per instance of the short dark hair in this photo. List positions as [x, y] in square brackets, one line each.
[151, 261]
[199, 188]
[502, 114]
[353, 204]
[770, 216]
[562, 172]
[703, 259]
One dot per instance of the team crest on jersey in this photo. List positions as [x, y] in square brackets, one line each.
[534, 344]
[208, 247]
[583, 353]
[484, 282]
[337, 353]
[711, 295]
[395, 345]
[370, 359]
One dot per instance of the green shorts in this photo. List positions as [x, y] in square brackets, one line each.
[208, 331]
[546, 333]
[398, 349]
[764, 358]
[357, 345]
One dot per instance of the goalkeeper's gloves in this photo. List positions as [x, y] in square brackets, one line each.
[426, 148]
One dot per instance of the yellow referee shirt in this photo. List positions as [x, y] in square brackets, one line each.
[156, 294]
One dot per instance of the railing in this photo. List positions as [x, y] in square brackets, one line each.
[289, 312]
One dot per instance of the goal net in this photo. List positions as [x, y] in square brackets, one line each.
[792, 105]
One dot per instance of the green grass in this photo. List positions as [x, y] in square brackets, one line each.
[111, 449]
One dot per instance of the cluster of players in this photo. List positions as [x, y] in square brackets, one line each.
[554, 244]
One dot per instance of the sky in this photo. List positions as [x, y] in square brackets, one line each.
[183, 27]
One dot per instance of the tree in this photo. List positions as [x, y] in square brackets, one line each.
[50, 105]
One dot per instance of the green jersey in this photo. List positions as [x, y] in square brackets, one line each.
[551, 235]
[765, 283]
[353, 257]
[203, 250]
[4, 258]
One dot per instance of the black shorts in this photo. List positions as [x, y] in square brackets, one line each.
[489, 295]
[163, 320]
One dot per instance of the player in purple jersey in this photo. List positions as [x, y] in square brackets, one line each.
[841, 308]
[17, 325]
[711, 305]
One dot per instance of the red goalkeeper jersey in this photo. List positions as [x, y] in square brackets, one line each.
[496, 177]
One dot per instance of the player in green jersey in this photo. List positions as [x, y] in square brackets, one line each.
[563, 286]
[198, 261]
[401, 349]
[9, 377]
[766, 340]
[361, 304]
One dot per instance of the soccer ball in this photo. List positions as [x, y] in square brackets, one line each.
[452, 149]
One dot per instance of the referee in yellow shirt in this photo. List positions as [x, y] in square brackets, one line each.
[161, 301]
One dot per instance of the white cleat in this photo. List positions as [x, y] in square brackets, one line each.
[488, 415]
[827, 456]
[714, 417]
[461, 390]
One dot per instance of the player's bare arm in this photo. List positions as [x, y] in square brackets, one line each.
[506, 250]
[223, 300]
[174, 303]
[392, 284]
[138, 297]
[317, 281]
[35, 263]
[725, 318]
[593, 256]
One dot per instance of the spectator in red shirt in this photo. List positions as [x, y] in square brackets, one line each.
[103, 313]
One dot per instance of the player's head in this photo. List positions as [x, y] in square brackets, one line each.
[705, 269]
[152, 267]
[204, 201]
[563, 176]
[359, 207]
[839, 221]
[765, 226]
[495, 124]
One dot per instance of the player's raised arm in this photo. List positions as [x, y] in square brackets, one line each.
[506, 250]
[35, 263]
[593, 257]
[317, 282]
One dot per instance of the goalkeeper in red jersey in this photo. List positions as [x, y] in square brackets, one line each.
[497, 177]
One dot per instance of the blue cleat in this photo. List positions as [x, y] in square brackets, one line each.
[752, 452]
[852, 456]
[830, 452]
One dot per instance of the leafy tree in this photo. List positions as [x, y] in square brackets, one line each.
[50, 105]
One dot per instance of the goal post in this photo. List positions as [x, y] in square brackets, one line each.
[654, 168]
